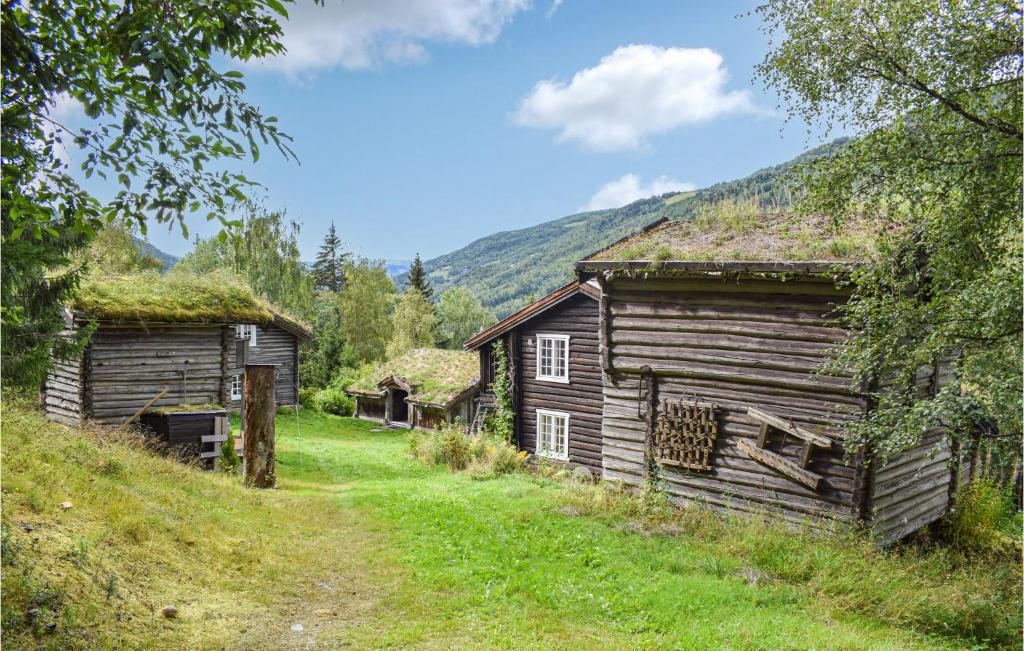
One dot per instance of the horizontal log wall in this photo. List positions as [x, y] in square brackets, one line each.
[738, 343]
[915, 487]
[582, 397]
[126, 366]
[63, 393]
[274, 345]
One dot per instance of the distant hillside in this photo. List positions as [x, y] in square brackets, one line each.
[148, 249]
[506, 268]
[397, 267]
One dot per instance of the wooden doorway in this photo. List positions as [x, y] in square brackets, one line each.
[399, 407]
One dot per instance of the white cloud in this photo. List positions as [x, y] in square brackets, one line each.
[628, 188]
[555, 4]
[634, 92]
[356, 34]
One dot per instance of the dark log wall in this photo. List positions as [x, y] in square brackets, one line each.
[736, 343]
[429, 417]
[63, 393]
[274, 345]
[369, 407]
[126, 366]
[914, 488]
[582, 397]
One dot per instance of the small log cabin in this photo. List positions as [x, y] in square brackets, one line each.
[130, 359]
[424, 388]
[552, 347]
[713, 386]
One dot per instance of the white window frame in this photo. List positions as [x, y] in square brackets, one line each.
[565, 358]
[236, 387]
[246, 331]
[543, 450]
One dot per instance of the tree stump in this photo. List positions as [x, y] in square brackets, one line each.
[258, 425]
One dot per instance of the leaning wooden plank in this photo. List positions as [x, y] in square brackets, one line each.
[786, 426]
[133, 417]
[780, 464]
[212, 438]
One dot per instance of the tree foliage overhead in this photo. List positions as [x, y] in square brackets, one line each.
[329, 266]
[265, 253]
[460, 316]
[161, 112]
[417, 278]
[933, 90]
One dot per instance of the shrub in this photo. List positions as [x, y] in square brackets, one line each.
[230, 462]
[484, 456]
[306, 396]
[984, 513]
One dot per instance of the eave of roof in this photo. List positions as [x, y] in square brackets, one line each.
[536, 308]
[654, 267]
[294, 327]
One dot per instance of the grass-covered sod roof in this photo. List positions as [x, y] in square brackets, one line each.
[437, 376]
[149, 297]
[741, 233]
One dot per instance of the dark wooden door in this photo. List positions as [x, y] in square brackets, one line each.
[399, 407]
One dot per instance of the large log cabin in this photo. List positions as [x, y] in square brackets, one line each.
[425, 388]
[171, 343]
[552, 347]
[712, 385]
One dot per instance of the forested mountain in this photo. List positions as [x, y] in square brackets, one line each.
[505, 269]
[166, 258]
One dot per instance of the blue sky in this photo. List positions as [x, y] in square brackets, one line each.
[421, 128]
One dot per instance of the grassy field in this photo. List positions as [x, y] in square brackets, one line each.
[362, 547]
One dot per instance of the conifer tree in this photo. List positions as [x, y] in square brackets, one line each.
[329, 267]
[418, 278]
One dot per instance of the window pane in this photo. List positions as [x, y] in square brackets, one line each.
[560, 358]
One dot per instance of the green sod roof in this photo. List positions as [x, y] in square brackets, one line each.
[436, 376]
[149, 297]
[735, 236]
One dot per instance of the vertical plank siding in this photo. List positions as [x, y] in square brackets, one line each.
[740, 346]
[369, 407]
[582, 397]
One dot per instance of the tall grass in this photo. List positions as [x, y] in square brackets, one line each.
[484, 455]
[938, 590]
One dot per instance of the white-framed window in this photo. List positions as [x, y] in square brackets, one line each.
[246, 331]
[236, 387]
[553, 358]
[553, 434]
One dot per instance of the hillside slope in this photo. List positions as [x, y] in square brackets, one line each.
[168, 259]
[506, 268]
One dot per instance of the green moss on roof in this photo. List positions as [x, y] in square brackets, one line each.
[172, 298]
[437, 376]
[741, 233]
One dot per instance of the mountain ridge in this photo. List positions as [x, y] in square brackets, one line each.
[505, 269]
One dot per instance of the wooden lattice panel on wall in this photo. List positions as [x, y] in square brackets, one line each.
[684, 434]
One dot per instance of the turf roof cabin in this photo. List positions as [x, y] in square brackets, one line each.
[174, 331]
[711, 339]
[423, 388]
[555, 373]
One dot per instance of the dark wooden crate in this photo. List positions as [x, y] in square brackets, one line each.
[184, 430]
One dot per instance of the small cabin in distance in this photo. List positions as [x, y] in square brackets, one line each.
[552, 347]
[424, 388]
[711, 343]
[185, 342]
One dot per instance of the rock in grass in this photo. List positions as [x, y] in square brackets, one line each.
[65, 506]
[170, 612]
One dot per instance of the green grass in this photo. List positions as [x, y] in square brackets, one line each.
[437, 375]
[367, 548]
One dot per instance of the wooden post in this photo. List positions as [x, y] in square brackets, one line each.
[258, 425]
